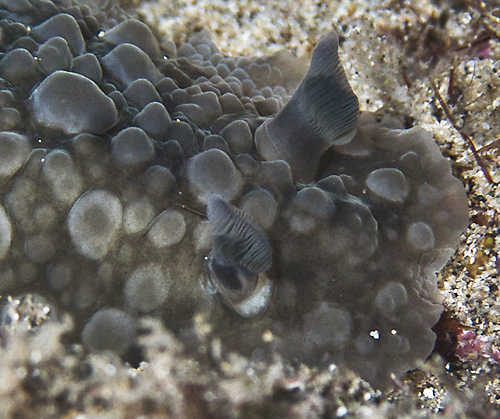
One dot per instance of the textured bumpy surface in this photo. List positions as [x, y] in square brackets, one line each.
[325, 226]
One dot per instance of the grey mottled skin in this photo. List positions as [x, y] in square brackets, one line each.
[111, 149]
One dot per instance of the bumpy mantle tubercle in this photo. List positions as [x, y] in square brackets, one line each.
[325, 225]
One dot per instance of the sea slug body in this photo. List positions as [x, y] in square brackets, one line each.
[135, 180]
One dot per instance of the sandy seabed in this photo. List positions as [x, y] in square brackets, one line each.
[401, 58]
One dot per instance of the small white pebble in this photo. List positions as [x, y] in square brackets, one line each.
[341, 412]
[110, 370]
[35, 357]
[429, 393]
[20, 372]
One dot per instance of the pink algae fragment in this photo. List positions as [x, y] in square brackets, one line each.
[471, 346]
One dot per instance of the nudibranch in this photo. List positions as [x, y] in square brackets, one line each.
[172, 183]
